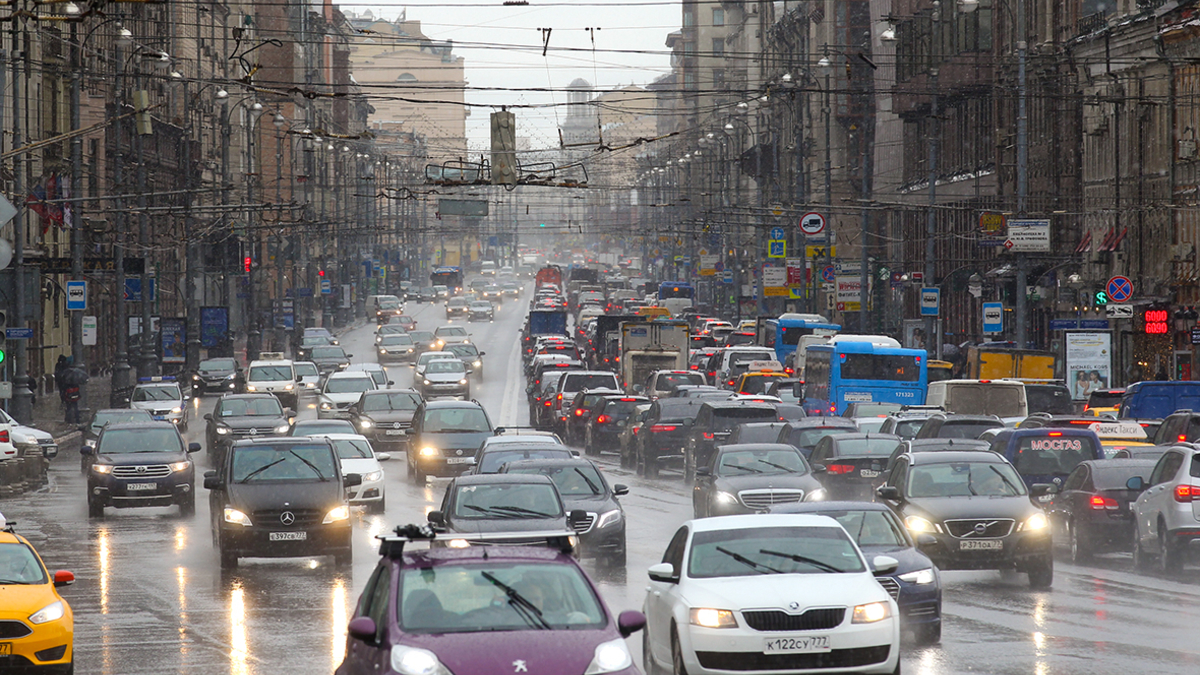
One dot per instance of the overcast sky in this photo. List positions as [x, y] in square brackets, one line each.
[502, 47]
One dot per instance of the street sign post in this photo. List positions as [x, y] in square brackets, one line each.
[1119, 311]
[1119, 289]
[930, 300]
[993, 317]
[777, 248]
[77, 295]
[812, 223]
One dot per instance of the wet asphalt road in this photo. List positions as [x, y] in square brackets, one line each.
[150, 597]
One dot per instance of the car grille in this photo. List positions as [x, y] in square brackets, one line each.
[992, 527]
[890, 585]
[11, 630]
[837, 658]
[765, 499]
[922, 610]
[813, 619]
[273, 517]
[585, 525]
[253, 431]
[146, 471]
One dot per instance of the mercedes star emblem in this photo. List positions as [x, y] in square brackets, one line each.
[287, 517]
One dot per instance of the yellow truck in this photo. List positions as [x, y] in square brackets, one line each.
[990, 363]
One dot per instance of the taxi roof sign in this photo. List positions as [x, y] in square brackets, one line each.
[1124, 430]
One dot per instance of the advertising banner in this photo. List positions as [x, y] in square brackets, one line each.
[1088, 362]
[214, 326]
[174, 340]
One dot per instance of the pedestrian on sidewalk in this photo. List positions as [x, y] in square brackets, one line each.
[70, 390]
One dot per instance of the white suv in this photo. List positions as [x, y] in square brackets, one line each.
[1166, 515]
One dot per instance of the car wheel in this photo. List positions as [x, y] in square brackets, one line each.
[649, 667]
[651, 464]
[1141, 560]
[1170, 558]
[95, 508]
[344, 558]
[379, 506]
[1081, 546]
[1041, 574]
[183, 428]
[187, 506]
[229, 559]
[689, 468]
[677, 667]
[928, 634]
[417, 476]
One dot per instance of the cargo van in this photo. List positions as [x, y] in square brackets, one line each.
[1002, 398]
[1157, 400]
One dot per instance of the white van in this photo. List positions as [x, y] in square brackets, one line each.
[273, 374]
[1003, 398]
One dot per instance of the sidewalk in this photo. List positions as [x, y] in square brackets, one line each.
[49, 414]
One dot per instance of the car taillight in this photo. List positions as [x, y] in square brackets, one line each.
[4, 438]
[547, 403]
[560, 397]
[839, 469]
[1187, 493]
[1099, 502]
[789, 371]
[708, 435]
[659, 428]
[731, 383]
[603, 419]
[579, 413]
[1182, 437]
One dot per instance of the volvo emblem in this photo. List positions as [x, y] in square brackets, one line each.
[1058, 480]
[253, 431]
[980, 528]
[287, 517]
[793, 606]
[141, 469]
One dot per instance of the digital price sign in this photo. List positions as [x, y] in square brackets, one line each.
[1156, 321]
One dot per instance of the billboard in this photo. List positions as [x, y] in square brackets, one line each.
[1088, 362]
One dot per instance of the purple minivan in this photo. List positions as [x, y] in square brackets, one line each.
[484, 610]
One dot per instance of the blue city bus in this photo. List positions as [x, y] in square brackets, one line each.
[789, 328]
[450, 277]
[862, 371]
[676, 296]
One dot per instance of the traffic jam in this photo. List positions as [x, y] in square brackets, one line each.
[568, 446]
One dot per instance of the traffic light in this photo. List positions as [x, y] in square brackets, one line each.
[1101, 298]
[3, 331]
[246, 262]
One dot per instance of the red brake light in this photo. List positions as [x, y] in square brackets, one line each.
[788, 371]
[839, 469]
[1182, 437]
[731, 383]
[708, 436]
[547, 403]
[659, 428]
[603, 419]
[1054, 433]
[985, 381]
[4, 438]
[1099, 502]
[579, 412]
[560, 397]
[628, 400]
[1187, 493]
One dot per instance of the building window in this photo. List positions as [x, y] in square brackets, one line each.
[689, 18]
[406, 77]
[689, 80]
[718, 45]
[718, 17]
[718, 79]
[689, 49]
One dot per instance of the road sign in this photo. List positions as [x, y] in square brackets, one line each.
[849, 293]
[133, 289]
[326, 287]
[1028, 236]
[931, 297]
[1119, 289]
[1064, 324]
[812, 223]
[18, 333]
[827, 274]
[993, 317]
[777, 248]
[777, 233]
[1119, 311]
[76, 295]
[727, 277]
[90, 331]
[917, 277]
[821, 251]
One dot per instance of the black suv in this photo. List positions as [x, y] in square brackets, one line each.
[280, 498]
[223, 375]
[714, 423]
[238, 416]
[140, 464]
[661, 436]
[971, 511]
[1181, 426]
[444, 438]
[958, 426]
[385, 415]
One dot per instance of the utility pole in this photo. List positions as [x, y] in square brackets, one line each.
[147, 364]
[1022, 329]
[931, 337]
[191, 247]
[120, 377]
[77, 351]
[828, 112]
[22, 409]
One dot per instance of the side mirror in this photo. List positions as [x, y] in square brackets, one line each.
[391, 382]
[362, 628]
[436, 518]
[349, 356]
[664, 572]
[351, 480]
[577, 517]
[926, 540]
[193, 447]
[619, 490]
[383, 456]
[703, 471]
[288, 412]
[889, 493]
[212, 481]
[1135, 483]
[483, 353]
[1040, 489]
[86, 449]
[630, 622]
[63, 578]
[208, 417]
[883, 565]
[819, 468]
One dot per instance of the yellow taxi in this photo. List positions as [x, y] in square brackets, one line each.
[37, 628]
[1117, 435]
[759, 377]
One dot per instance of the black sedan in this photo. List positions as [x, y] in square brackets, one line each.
[850, 464]
[804, 434]
[330, 358]
[916, 585]
[1092, 511]
[223, 375]
[476, 504]
[751, 478]
[583, 488]
[976, 511]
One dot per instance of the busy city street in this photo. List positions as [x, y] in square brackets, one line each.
[151, 598]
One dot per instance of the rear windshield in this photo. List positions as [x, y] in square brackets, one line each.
[620, 410]
[1114, 478]
[747, 433]
[492, 461]
[907, 429]
[1048, 399]
[728, 418]
[581, 382]
[1045, 455]
[666, 381]
[1102, 399]
[808, 438]
[965, 429]
[984, 399]
[866, 447]
[507, 500]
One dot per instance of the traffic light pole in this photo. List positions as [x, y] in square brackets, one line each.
[22, 401]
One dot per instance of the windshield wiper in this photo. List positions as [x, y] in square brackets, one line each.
[309, 465]
[744, 468]
[777, 466]
[524, 511]
[524, 607]
[487, 510]
[1004, 478]
[261, 469]
[802, 559]
[16, 582]
[971, 485]
[756, 566]
[590, 484]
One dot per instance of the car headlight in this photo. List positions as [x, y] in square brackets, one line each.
[382, 350]
[726, 498]
[231, 376]
[372, 476]
[428, 452]
[91, 442]
[51, 612]
[223, 431]
[289, 387]
[180, 466]
[477, 363]
[440, 343]
[610, 657]
[818, 495]
[413, 661]
[102, 468]
[463, 381]
[336, 514]
[1037, 521]
[920, 577]
[608, 518]
[195, 378]
[919, 524]
[365, 423]
[872, 612]
[282, 428]
[326, 405]
[251, 387]
[236, 517]
[176, 410]
[713, 618]
[425, 381]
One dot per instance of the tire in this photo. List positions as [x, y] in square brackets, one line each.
[187, 506]
[651, 465]
[95, 509]
[1141, 559]
[417, 476]
[677, 666]
[379, 506]
[1081, 545]
[229, 560]
[618, 560]
[183, 428]
[1170, 558]
[928, 634]
[689, 468]
[344, 558]
[649, 667]
[1041, 574]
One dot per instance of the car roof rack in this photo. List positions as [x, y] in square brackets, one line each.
[392, 546]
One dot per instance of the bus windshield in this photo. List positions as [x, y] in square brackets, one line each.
[675, 290]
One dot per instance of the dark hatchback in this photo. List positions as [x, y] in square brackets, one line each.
[582, 487]
[480, 504]
[850, 465]
[958, 426]
[1091, 513]
[806, 433]
[484, 609]
[976, 511]
[662, 436]
[444, 438]
[385, 415]
[751, 478]
[916, 585]
[237, 416]
[140, 464]
[715, 421]
[280, 498]
[603, 429]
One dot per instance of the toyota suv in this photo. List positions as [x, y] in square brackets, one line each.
[140, 464]
[444, 437]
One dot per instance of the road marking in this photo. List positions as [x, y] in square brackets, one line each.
[508, 408]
